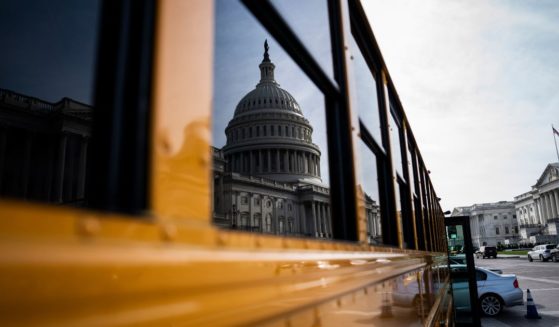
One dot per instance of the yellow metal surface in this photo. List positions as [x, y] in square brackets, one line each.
[183, 102]
[61, 266]
[72, 267]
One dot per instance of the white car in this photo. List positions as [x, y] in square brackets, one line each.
[541, 252]
[495, 291]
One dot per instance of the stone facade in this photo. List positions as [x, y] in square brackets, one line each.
[43, 148]
[491, 223]
[538, 209]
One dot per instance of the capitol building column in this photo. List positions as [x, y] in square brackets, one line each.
[541, 203]
[315, 217]
[278, 160]
[547, 207]
[543, 210]
[556, 195]
[329, 221]
[553, 204]
[260, 165]
[286, 161]
[536, 212]
[322, 220]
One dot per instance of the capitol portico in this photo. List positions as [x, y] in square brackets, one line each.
[538, 209]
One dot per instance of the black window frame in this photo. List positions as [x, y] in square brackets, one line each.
[118, 164]
[339, 138]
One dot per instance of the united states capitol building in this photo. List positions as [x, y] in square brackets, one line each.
[267, 177]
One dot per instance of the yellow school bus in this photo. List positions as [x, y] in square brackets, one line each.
[173, 163]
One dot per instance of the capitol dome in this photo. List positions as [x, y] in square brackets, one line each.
[269, 136]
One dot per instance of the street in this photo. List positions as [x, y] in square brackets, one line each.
[542, 278]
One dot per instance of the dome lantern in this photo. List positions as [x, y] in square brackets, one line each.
[267, 67]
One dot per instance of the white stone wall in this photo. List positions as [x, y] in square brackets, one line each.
[492, 223]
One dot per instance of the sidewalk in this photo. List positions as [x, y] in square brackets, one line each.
[512, 256]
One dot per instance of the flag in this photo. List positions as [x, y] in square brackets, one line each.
[554, 130]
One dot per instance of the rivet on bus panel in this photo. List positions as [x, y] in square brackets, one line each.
[89, 226]
[316, 322]
[164, 145]
[221, 240]
[168, 232]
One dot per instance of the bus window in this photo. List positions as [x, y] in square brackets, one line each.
[274, 177]
[395, 143]
[46, 92]
[365, 94]
[314, 32]
[368, 193]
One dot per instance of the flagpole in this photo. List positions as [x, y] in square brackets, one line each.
[555, 139]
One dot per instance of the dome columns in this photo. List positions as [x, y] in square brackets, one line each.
[270, 161]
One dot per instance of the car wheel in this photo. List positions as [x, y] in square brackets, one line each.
[555, 258]
[530, 258]
[491, 305]
[542, 258]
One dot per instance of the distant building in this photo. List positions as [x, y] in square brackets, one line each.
[538, 209]
[491, 223]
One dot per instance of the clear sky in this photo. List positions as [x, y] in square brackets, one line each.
[479, 81]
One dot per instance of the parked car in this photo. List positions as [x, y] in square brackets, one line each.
[487, 252]
[555, 254]
[460, 259]
[541, 252]
[495, 291]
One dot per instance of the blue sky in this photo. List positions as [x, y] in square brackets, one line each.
[479, 81]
